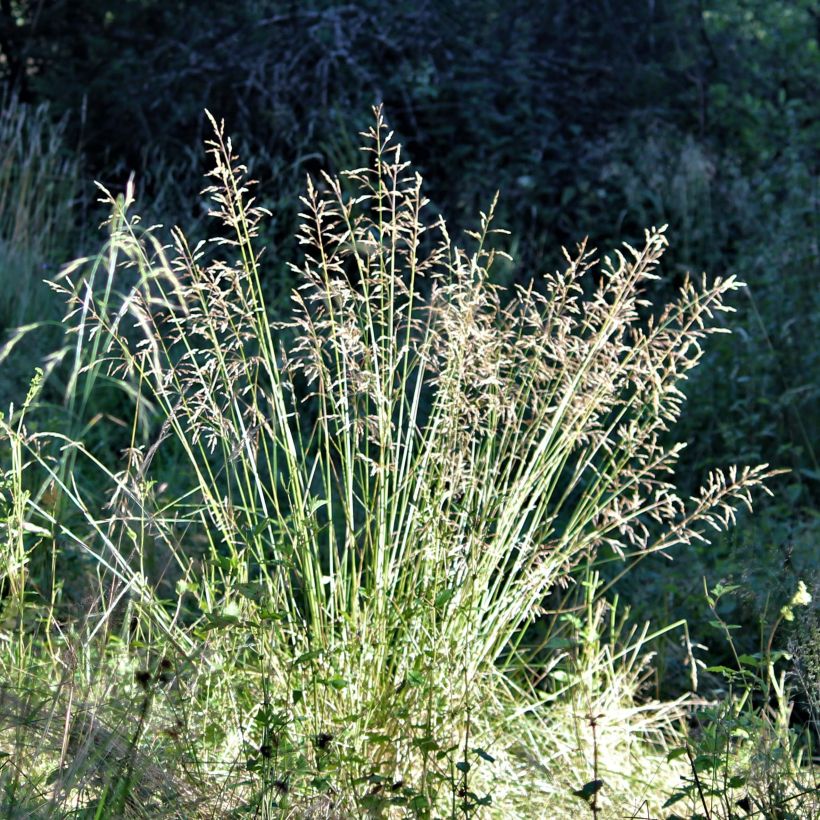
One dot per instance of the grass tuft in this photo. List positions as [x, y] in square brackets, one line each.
[316, 552]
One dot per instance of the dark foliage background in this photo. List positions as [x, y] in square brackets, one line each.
[595, 118]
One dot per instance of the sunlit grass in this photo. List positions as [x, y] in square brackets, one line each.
[313, 573]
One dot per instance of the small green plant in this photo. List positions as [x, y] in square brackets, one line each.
[744, 755]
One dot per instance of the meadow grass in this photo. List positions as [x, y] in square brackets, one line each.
[38, 182]
[302, 570]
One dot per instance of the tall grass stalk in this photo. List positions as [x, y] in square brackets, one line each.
[369, 505]
[38, 181]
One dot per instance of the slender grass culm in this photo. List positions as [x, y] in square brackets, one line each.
[38, 181]
[315, 567]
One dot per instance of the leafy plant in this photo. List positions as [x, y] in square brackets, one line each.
[744, 753]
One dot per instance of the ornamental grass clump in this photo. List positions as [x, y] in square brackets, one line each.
[336, 532]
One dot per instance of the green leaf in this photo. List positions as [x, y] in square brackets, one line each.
[722, 670]
[56, 775]
[484, 755]
[317, 505]
[561, 643]
[675, 754]
[416, 678]
[220, 621]
[375, 737]
[442, 753]
[703, 763]
[214, 733]
[252, 534]
[426, 744]
[463, 766]
[444, 597]
[308, 656]
[372, 802]
[724, 589]
[750, 660]
[674, 798]
[253, 590]
[589, 790]
[719, 625]
[567, 194]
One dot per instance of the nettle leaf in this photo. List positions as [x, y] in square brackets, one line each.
[561, 643]
[589, 790]
[723, 589]
[675, 797]
[307, 657]
[484, 755]
[720, 626]
[703, 763]
[416, 678]
[253, 590]
[250, 535]
[267, 614]
[228, 617]
[372, 802]
[723, 670]
[426, 743]
[750, 660]
[444, 597]
[378, 737]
